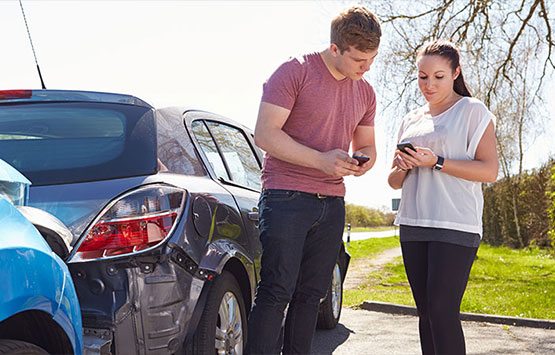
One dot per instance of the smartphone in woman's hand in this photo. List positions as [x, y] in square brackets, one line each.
[403, 146]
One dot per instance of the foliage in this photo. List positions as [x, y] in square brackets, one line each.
[534, 206]
[360, 216]
[550, 193]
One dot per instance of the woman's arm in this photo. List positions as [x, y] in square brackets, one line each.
[483, 168]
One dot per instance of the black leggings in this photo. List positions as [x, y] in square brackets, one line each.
[438, 273]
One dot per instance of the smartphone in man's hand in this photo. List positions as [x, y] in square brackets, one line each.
[361, 160]
[403, 146]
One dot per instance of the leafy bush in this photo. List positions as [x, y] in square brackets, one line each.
[360, 216]
[533, 193]
[550, 193]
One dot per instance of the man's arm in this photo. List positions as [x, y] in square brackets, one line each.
[364, 142]
[268, 135]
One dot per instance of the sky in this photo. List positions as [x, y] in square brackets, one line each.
[210, 55]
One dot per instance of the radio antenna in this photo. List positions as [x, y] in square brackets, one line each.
[32, 47]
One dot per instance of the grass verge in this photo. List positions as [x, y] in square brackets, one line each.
[369, 229]
[517, 283]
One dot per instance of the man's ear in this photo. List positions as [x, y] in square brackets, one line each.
[334, 50]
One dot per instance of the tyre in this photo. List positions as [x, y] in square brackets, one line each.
[18, 347]
[330, 308]
[222, 328]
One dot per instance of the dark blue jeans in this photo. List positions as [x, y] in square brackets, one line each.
[301, 235]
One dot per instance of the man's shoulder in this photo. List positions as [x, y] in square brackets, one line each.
[302, 60]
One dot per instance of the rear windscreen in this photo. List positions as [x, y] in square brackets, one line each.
[56, 143]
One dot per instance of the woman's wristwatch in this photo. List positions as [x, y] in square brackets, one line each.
[439, 163]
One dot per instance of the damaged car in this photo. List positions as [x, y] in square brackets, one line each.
[162, 209]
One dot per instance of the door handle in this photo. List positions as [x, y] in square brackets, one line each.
[253, 216]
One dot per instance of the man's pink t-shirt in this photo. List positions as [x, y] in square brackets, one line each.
[324, 115]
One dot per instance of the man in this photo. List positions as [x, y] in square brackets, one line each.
[312, 108]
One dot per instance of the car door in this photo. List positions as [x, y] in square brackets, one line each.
[236, 165]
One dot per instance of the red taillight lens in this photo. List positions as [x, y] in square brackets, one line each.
[15, 94]
[137, 221]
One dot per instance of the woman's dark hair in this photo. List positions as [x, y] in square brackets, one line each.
[448, 51]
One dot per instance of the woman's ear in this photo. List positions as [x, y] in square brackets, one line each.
[457, 72]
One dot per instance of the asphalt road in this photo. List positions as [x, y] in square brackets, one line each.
[366, 332]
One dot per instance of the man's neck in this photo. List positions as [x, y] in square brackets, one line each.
[330, 64]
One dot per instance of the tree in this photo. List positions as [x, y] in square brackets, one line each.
[360, 216]
[507, 50]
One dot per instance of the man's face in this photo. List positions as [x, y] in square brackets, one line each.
[354, 63]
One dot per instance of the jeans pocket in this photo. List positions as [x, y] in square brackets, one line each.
[279, 195]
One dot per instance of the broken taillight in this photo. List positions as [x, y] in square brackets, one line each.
[137, 221]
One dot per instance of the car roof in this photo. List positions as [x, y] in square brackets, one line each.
[16, 96]
[182, 110]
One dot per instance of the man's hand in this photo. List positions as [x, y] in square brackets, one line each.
[337, 162]
[364, 145]
[363, 168]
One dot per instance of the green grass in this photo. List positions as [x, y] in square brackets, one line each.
[370, 229]
[370, 247]
[517, 283]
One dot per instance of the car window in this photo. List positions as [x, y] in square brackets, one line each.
[53, 143]
[209, 148]
[176, 152]
[241, 161]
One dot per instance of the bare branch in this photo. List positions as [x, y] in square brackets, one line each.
[503, 67]
[408, 17]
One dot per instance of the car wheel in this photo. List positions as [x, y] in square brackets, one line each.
[223, 326]
[330, 308]
[17, 347]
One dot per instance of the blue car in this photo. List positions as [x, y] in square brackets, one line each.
[39, 310]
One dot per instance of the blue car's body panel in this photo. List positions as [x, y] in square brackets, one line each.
[33, 277]
[9, 174]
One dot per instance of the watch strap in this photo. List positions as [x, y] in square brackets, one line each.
[439, 163]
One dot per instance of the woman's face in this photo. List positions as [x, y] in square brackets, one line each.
[435, 78]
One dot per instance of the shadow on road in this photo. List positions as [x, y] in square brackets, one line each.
[326, 341]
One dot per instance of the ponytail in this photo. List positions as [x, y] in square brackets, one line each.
[459, 86]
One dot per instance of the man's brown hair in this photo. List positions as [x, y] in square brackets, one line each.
[357, 27]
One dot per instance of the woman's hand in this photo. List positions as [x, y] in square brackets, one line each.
[422, 157]
[400, 163]
[400, 169]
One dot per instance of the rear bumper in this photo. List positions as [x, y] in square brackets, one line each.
[144, 309]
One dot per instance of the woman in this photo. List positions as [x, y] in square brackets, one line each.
[440, 215]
